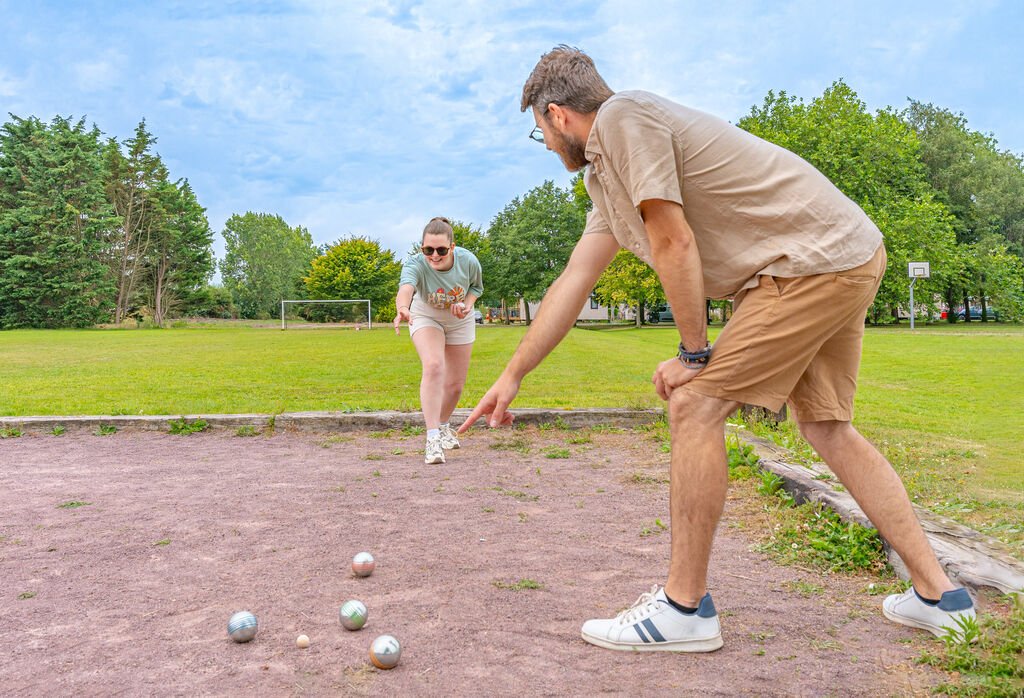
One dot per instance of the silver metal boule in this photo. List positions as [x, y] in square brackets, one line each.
[243, 626]
[385, 651]
[353, 614]
[363, 564]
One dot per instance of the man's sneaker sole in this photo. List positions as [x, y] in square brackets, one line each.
[914, 623]
[708, 644]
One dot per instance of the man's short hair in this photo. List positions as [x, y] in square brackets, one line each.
[565, 76]
[439, 226]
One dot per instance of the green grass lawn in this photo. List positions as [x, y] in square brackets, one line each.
[946, 403]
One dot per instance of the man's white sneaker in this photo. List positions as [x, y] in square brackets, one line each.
[449, 439]
[433, 453]
[652, 623]
[908, 608]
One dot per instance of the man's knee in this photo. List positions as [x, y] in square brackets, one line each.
[691, 410]
[820, 432]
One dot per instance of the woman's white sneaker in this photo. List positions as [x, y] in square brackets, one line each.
[908, 608]
[449, 439]
[653, 624]
[433, 453]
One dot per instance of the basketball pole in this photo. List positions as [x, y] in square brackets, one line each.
[912, 280]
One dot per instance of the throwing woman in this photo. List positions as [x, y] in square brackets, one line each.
[436, 293]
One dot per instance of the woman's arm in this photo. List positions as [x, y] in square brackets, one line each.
[402, 301]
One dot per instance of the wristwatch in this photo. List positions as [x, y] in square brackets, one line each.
[694, 359]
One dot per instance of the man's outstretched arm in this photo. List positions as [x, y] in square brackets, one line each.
[556, 316]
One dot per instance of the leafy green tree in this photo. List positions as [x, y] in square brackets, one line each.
[264, 262]
[995, 274]
[984, 189]
[180, 257]
[530, 242]
[982, 185]
[629, 280]
[137, 187]
[874, 160]
[474, 239]
[53, 222]
[211, 301]
[356, 267]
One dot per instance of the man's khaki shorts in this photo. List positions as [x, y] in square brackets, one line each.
[797, 341]
[455, 330]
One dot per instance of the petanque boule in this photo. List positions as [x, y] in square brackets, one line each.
[243, 626]
[385, 651]
[363, 564]
[353, 614]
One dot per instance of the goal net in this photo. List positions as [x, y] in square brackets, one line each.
[357, 309]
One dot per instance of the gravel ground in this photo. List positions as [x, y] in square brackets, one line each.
[123, 557]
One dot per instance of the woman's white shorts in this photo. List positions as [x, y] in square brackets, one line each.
[455, 331]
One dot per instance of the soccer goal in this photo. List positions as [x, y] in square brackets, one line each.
[369, 325]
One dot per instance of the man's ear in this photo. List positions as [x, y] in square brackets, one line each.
[558, 115]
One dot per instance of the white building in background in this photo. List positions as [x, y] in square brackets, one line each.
[590, 312]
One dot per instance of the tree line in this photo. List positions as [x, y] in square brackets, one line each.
[92, 230]
[939, 192]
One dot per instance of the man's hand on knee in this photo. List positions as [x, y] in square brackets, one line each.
[671, 374]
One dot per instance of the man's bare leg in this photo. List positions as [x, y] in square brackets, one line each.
[699, 478]
[880, 493]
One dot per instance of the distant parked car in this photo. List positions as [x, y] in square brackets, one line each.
[993, 314]
[479, 317]
[665, 314]
[660, 313]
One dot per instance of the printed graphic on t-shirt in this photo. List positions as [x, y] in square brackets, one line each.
[445, 299]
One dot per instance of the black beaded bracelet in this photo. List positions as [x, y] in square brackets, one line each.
[694, 359]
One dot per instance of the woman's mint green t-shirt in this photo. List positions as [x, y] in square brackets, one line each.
[440, 289]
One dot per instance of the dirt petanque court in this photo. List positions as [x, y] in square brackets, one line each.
[123, 556]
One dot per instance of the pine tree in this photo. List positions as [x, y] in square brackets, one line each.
[137, 188]
[181, 261]
[53, 222]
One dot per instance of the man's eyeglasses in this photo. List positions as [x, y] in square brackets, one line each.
[537, 135]
[429, 251]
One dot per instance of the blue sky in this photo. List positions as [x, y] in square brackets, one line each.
[371, 117]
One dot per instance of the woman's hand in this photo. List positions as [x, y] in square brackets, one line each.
[402, 314]
[461, 310]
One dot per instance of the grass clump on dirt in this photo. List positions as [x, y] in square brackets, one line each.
[985, 657]
[10, 433]
[518, 586]
[183, 426]
[808, 534]
[518, 443]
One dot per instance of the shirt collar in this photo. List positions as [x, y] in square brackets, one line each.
[593, 147]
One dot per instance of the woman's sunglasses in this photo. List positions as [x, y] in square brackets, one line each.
[429, 251]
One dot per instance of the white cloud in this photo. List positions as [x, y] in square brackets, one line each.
[369, 118]
[9, 87]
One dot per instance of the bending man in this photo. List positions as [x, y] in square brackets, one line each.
[718, 213]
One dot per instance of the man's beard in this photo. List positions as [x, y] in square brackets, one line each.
[572, 151]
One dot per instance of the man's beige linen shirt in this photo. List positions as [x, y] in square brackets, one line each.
[754, 208]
